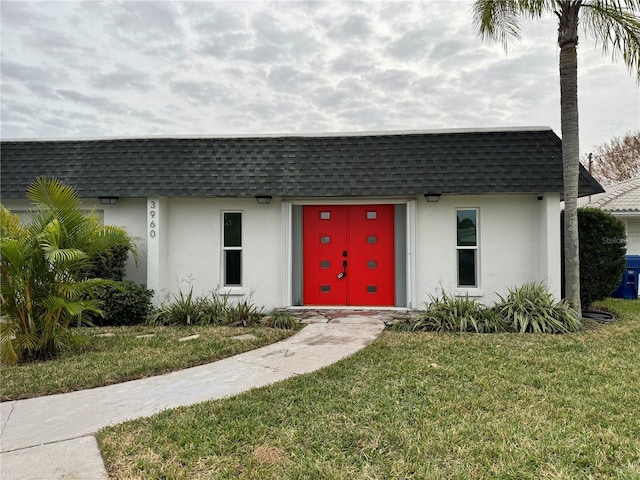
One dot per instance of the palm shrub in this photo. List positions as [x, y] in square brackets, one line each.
[212, 309]
[43, 265]
[453, 314]
[531, 308]
[242, 313]
[281, 319]
[179, 309]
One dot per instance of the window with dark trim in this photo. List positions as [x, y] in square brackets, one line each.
[232, 248]
[467, 247]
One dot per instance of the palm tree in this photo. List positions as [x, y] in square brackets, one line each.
[615, 25]
[43, 270]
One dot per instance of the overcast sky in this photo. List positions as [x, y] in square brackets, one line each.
[89, 69]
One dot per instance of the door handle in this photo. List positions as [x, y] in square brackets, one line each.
[343, 273]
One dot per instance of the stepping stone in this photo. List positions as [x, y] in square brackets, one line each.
[106, 335]
[186, 339]
[246, 336]
[357, 320]
[315, 319]
[148, 335]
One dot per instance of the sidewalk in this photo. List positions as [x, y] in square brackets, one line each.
[52, 437]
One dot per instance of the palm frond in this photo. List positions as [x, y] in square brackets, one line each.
[62, 255]
[500, 19]
[10, 224]
[615, 27]
[14, 253]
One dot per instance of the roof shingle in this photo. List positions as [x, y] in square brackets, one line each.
[508, 161]
[620, 197]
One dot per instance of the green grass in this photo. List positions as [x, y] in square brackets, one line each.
[123, 357]
[420, 406]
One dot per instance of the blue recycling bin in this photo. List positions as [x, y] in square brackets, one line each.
[628, 288]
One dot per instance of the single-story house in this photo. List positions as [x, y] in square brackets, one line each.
[623, 201]
[365, 219]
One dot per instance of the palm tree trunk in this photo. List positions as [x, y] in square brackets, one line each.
[567, 40]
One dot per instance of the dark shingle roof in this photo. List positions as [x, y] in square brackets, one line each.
[386, 164]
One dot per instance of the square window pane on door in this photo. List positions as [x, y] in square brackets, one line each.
[372, 289]
[232, 267]
[325, 288]
[467, 268]
[325, 240]
[372, 215]
[325, 215]
[372, 264]
[372, 239]
[325, 264]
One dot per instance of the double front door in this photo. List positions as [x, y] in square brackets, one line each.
[348, 253]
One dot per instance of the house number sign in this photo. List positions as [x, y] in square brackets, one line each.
[152, 218]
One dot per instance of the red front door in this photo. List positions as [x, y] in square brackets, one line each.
[348, 255]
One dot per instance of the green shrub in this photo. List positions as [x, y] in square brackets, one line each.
[242, 314]
[281, 319]
[602, 249]
[453, 314]
[214, 309]
[180, 309]
[123, 303]
[531, 308]
[110, 265]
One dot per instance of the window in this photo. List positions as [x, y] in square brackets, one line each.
[232, 248]
[467, 247]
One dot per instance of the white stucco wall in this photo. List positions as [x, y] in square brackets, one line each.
[519, 242]
[513, 244]
[130, 214]
[194, 234]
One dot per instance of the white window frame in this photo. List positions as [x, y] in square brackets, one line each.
[231, 289]
[474, 290]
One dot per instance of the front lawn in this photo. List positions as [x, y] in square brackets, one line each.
[417, 405]
[128, 353]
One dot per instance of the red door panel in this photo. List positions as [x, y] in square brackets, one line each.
[371, 255]
[324, 241]
[348, 255]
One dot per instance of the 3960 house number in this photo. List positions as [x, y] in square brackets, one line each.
[152, 215]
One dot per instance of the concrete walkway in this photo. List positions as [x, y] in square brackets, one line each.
[52, 437]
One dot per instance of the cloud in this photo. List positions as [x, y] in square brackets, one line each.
[37, 80]
[208, 19]
[98, 102]
[411, 45]
[352, 61]
[21, 15]
[143, 23]
[268, 29]
[202, 92]
[289, 79]
[356, 26]
[123, 77]
[392, 80]
[136, 67]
